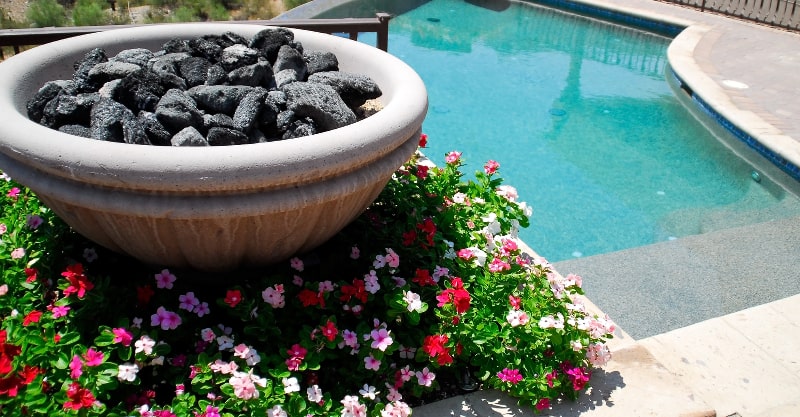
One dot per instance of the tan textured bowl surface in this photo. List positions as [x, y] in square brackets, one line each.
[212, 208]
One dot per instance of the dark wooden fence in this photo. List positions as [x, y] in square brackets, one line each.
[16, 39]
[779, 13]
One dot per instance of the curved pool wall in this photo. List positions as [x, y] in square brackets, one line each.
[660, 24]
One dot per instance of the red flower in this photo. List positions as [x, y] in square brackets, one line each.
[233, 298]
[329, 330]
[30, 273]
[311, 298]
[434, 346]
[32, 317]
[423, 278]
[78, 397]
[514, 301]
[78, 283]
[144, 294]
[457, 295]
[357, 290]
[409, 237]
[423, 140]
[429, 228]
[7, 353]
[422, 171]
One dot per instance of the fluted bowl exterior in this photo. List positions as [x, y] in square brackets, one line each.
[208, 208]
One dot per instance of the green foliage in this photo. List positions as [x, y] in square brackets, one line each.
[427, 283]
[45, 13]
[90, 13]
[187, 11]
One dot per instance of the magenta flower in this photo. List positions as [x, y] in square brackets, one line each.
[168, 320]
[510, 375]
[122, 336]
[164, 279]
[188, 302]
[425, 377]
[13, 193]
[93, 357]
[60, 311]
[75, 367]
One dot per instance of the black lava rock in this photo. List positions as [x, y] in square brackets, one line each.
[220, 136]
[176, 111]
[219, 98]
[355, 89]
[318, 61]
[189, 137]
[321, 103]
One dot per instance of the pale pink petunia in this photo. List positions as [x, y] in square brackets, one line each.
[297, 264]
[381, 339]
[168, 320]
[371, 363]
[18, 253]
[165, 279]
[452, 157]
[425, 377]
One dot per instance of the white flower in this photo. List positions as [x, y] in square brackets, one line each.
[127, 372]
[290, 385]
[144, 344]
[276, 411]
[368, 391]
[314, 394]
[413, 301]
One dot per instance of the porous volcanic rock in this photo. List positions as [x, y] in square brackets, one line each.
[213, 90]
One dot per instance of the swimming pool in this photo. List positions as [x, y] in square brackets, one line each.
[582, 120]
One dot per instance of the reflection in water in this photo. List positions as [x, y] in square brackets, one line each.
[583, 123]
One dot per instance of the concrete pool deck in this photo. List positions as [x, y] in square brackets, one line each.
[727, 360]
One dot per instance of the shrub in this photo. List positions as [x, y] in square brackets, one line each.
[90, 13]
[44, 13]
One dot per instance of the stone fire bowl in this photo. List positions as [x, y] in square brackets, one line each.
[211, 208]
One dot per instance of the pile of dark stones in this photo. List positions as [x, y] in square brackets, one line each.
[212, 90]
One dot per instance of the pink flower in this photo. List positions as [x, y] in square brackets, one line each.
[188, 301]
[164, 279]
[465, 254]
[381, 339]
[355, 253]
[491, 167]
[507, 191]
[543, 404]
[371, 363]
[3, 228]
[93, 357]
[17, 253]
[202, 309]
[33, 222]
[392, 258]
[515, 302]
[452, 157]
[144, 344]
[274, 296]
[244, 384]
[598, 354]
[122, 336]
[75, 367]
[350, 339]
[425, 377]
[168, 320]
[60, 311]
[13, 193]
[297, 264]
[499, 265]
[510, 375]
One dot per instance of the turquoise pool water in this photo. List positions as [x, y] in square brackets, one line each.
[581, 119]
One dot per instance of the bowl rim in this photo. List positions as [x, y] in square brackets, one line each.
[223, 168]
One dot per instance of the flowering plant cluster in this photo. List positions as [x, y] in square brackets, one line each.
[427, 287]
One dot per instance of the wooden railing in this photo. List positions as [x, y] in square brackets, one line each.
[16, 39]
[779, 13]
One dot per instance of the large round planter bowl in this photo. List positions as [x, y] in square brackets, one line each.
[210, 208]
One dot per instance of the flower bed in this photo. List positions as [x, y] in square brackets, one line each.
[428, 284]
